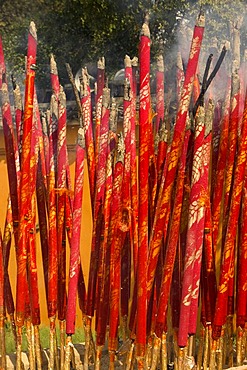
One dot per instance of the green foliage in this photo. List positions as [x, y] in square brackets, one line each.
[80, 31]
[221, 17]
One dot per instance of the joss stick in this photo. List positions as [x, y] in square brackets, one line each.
[179, 77]
[209, 273]
[104, 281]
[230, 239]
[104, 265]
[216, 134]
[98, 104]
[103, 177]
[144, 52]
[75, 241]
[216, 198]
[99, 200]
[241, 298]
[52, 289]
[44, 125]
[160, 96]
[230, 163]
[161, 216]
[25, 200]
[42, 216]
[126, 200]
[63, 208]
[204, 200]
[162, 151]
[192, 233]
[52, 222]
[243, 85]
[115, 245]
[18, 113]
[133, 164]
[87, 122]
[98, 217]
[33, 320]
[127, 106]
[196, 89]
[31, 261]
[69, 199]
[42, 195]
[171, 244]
[193, 217]
[232, 142]
[62, 193]
[152, 173]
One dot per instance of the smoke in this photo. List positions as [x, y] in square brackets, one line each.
[223, 20]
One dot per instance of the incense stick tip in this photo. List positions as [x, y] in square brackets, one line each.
[33, 30]
[179, 61]
[145, 30]
[134, 62]
[227, 45]
[53, 65]
[127, 61]
[200, 20]
[101, 63]
[160, 63]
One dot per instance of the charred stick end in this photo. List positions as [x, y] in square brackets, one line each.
[72, 81]
[53, 65]
[33, 30]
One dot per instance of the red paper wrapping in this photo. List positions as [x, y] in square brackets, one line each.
[144, 117]
[31, 240]
[204, 200]
[209, 273]
[171, 244]
[216, 135]
[221, 163]
[87, 122]
[242, 264]
[25, 199]
[232, 142]
[162, 150]
[194, 218]
[99, 201]
[133, 166]
[230, 239]
[52, 222]
[180, 76]
[42, 216]
[115, 245]
[104, 265]
[75, 241]
[62, 194]
[127, 236]
[162, 209]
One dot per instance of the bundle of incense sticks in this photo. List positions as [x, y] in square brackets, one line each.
[167, 191]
